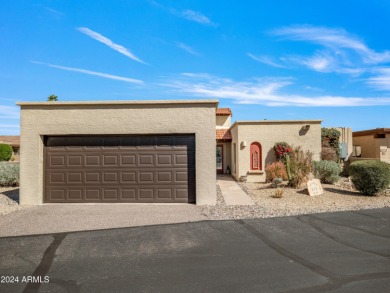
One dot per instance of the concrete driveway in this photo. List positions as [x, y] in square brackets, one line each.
[336, 252]
[57, 218]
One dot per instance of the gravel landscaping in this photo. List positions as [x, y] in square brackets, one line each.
[340, 197]
[9, 200]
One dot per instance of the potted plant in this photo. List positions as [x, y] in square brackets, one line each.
[228, 170]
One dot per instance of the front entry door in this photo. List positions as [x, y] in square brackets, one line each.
[219, 159]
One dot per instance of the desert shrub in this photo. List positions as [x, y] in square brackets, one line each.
[9, 174]
[329, 154]
[279, 192]
[370, 177]
[299, 165]
[327, 171]
[276, 170]
[5, 152]
[281, 149]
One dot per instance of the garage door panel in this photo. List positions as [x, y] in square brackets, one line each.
[129, 194]
[109, 194]
[120, 169]
[92, 195]
[146, 160]
[128, 177]
[110, 160]
[127, 160]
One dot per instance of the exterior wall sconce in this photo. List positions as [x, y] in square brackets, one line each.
[243, 143]
[306, 127]
[383, 150]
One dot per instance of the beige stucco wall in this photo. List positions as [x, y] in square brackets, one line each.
[267, 133]
[234, 152]
[370, 147]
[125, 117]
[223, 121]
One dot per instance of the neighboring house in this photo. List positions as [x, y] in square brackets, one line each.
[373, 144]
[145, 151]
[247, 146]
[14, 141]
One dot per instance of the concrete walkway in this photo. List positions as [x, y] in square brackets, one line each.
[232, 192]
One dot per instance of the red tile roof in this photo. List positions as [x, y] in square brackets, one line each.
[223, 134]
[9, 139]
[224, 111]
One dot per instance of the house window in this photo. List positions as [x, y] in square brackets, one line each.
[256, 157]
[234, 158]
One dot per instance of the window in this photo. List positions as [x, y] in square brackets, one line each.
[256, 158]
[234, 158]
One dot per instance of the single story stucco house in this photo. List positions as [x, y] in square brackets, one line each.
[371, 144]
[144, 151]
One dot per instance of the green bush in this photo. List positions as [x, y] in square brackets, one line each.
[9, 174]
[327, 171]
[5, 152]
[370, 177]
[299, 165]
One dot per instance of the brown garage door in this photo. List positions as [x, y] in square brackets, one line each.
[142, 169]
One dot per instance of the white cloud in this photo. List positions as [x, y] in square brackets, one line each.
[9, 129]
[6, 99]
[188, 14]
[265, 91]
[341, 51]
[9, 126]
[187, 48]
[54, 12]
[90, 72]
[196, 16]
[381, 79]
[319, 62]
[9, 112]
[100, 38]
[266, 60]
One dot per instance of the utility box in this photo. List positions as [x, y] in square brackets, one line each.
[343, 150]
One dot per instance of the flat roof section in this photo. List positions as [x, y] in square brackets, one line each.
[265, 122]
[371, 132]
[123, 102]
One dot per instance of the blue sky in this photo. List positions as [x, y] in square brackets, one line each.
[277, 59]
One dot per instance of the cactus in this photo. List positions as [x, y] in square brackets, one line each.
[287, 157]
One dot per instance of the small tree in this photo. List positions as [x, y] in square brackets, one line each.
[5, 152]
[331, 136]
[52, 98]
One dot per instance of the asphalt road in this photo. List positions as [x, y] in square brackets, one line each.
[331, 252]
